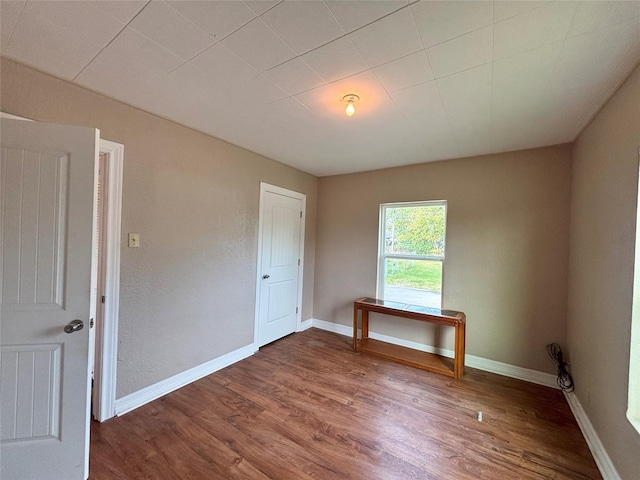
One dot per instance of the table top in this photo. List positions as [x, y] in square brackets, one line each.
[407, 307]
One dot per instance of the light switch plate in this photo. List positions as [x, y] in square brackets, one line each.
[134, 240]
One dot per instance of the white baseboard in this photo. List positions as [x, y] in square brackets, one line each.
[157, 390]
[332, 327]
[605, 465]
[152, 392]
[304, 325]
[528, 375]
[512, 371]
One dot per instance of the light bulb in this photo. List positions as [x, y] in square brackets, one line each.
[350, 98]
[350, 110]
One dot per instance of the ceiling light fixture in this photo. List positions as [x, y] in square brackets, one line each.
[351, 98]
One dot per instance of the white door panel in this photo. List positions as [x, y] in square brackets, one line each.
[47, 186]
[279, 266]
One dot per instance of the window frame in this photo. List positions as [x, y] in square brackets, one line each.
[382, 256]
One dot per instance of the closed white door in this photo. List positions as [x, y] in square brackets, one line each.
[47, 210]
[279, 270]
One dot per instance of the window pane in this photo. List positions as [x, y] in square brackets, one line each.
[413, 281]
[417, 230]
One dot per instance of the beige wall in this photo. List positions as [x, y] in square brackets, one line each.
[187, 295]
[603, 215]
[506, 252]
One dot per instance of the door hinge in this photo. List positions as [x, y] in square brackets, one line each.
[91, 323]
[103, 298]
[298, 262]
[296, 309]
[300, 214]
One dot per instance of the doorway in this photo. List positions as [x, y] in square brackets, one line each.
[108, 202]
[280, 263]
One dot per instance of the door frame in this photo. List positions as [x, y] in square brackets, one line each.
[264, 188]
[106, 332]
[105, 347]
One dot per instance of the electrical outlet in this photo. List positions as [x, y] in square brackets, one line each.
[134, 240]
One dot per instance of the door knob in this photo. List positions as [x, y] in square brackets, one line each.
[73, 326]
[264, 277]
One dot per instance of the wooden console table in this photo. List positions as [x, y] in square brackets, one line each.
[409, 356]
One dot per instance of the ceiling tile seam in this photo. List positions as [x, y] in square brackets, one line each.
[166, 49]
[289, 92]
[224, 38]
[193, 24]
[530, 142]
[353, 31]
[443, 76]
[427, 81]
[403, 57]
[435, 84]
[55, 26]
[580, 128]
[292, 97]
[367, 24]
[459, 71]
[493, 23]
[328, 83]
[298, 55]
[244, 25]
[363, 57]
[457, 36]
[398, 109]
[336, 20]
[395, 105]
[444, 109]
[267, 10]
[334, 17]
[112, 40]
[331, 83]
[373, 72]
[415, 24]
[604, 27]
[423, 48]
[366, 62]
[275, 85]
[339, 38]
[279, 38]
[543, 4]
[13, 29]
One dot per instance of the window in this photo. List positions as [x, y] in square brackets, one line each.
[411, 252]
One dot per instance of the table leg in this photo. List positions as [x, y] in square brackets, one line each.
[458, 361]
[365, 324]
[355, 327]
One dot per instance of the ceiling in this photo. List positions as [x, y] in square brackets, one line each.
[436, 80]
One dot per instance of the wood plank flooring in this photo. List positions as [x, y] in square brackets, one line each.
[306, 406]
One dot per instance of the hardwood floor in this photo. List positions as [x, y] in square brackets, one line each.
[307, 406]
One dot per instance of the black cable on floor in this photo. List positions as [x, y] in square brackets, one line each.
[565, 382]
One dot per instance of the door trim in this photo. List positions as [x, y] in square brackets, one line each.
[264, 188]
[106, 345]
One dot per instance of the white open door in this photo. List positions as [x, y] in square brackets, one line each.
[46, 212]
[279, 268]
